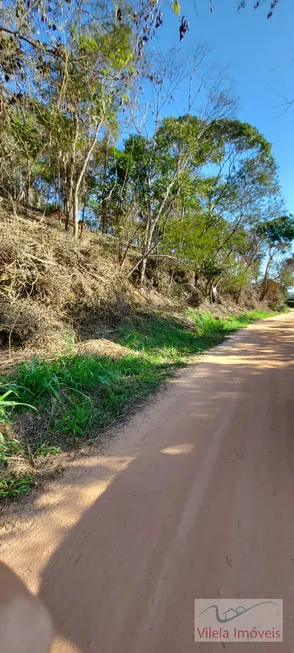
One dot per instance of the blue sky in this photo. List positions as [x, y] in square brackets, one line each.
[259, 57]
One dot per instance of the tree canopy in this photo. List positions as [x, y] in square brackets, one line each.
[198, 191]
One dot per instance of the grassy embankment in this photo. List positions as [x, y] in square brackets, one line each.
[74, 398]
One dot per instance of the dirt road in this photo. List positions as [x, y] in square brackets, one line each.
[194, 499]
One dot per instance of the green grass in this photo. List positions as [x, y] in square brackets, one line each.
[76, 397]
[8, 447]
[15, 486]
[171, 339]
[84, 394]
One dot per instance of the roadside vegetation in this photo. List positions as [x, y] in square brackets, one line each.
[120, 218]
[53, 406]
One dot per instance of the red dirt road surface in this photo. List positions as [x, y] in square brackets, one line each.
[195, 498]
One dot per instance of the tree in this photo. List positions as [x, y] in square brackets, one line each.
[276, 237]
[211, 230]
[191, 190]
[77, 60]
[286, 274]
[159, 169]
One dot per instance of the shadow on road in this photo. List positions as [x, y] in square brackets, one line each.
[182, 506]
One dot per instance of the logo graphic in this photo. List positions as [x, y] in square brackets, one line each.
[258, 620]
[233, 613]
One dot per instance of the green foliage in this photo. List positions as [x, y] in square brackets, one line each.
[89, 392]
[43, 449]
[286, 274]
[242, 134]
[8, 447]
[15, 486]
[207, 323]
[80, 396]
[5, 403]
[189, 190]
[39, 380]
[197, 193]
[278, 230]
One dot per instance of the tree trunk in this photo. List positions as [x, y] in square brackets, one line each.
[28, 187]
[68, 199]
[14, 204]
[67, 214]
[122, 259]
[147, 246]
[143, 272]
[83, 220]
[264, 284]
[206, 292]
[103, 216]
[103, 203]
[239, 296]
[76, 212]
[80, 179]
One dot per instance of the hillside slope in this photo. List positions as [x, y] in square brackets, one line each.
[80, 346]
[55, 291]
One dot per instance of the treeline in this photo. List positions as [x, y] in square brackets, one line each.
[88, 127]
